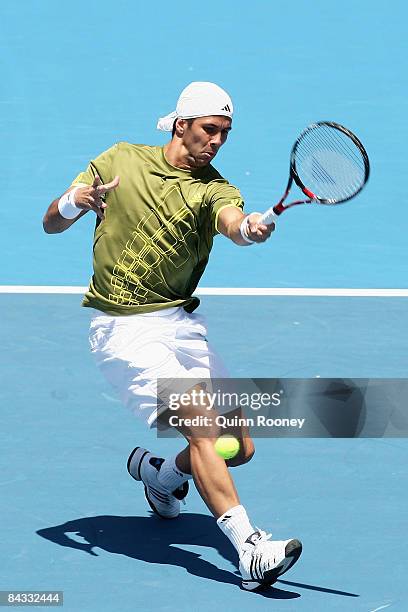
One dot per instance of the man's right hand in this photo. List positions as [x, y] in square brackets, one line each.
[86, 198]
[90, 198]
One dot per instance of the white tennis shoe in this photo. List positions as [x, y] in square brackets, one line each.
[145, 467]
[262, 560]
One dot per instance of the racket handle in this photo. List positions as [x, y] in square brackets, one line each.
[268, 217]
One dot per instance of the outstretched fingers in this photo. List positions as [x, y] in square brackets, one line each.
[98, 190]
[102, 189]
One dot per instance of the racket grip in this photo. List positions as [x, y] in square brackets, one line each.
[268, 217]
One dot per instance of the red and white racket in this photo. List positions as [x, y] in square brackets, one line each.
[328, 163]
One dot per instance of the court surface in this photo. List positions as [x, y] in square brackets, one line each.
[77, 79]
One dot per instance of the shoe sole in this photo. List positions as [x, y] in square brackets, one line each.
[136, 457]
[293, 550]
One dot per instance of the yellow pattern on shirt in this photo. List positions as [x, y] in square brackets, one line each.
[153, 245]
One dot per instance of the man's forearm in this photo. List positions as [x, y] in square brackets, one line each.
[233, 232]
[243, 229]
[54, 222]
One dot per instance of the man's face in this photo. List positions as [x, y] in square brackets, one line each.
[203, 137]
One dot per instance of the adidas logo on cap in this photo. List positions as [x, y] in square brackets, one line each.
[226, 108]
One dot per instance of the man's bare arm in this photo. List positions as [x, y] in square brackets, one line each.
[86, 198]
[229, 224]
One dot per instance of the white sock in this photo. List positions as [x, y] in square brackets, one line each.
[170, 476]
[236, 526]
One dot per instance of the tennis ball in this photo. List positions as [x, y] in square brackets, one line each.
[227, 447]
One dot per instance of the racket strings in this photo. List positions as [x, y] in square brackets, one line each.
[330, 164]
[321, 174]
[342, 146]
[334, 170]
[335, 140]
[338, 146]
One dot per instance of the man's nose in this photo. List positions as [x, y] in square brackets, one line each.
[216, 140]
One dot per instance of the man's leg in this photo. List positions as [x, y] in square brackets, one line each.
[261, 561]
[135, 356]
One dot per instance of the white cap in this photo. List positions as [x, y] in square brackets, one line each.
[199, 99]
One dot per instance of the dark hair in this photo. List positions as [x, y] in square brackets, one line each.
[173, 131]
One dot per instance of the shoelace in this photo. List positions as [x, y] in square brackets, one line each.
[258, 545]
[263, 536]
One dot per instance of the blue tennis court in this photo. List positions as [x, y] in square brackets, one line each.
[76, 80]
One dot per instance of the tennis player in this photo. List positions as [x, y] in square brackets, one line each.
[158, 210]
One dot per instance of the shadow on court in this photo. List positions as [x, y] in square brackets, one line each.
[152, 540]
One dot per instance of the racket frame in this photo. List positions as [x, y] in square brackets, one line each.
[278, 209]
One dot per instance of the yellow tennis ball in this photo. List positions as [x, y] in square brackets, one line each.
[227, 446]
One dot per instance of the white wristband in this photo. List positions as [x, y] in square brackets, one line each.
[243, 230]
[66, 205]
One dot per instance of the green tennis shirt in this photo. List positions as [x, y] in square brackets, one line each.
[152, 247]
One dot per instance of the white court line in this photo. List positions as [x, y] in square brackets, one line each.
[302, 291]
[381, 608]
[288, 291]
[40, 289]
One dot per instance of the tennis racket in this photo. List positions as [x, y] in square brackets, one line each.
[328, 163]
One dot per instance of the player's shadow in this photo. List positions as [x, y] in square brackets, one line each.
[153, 540]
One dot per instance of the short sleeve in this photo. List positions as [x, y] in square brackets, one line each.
[221, 195]
[101, 166]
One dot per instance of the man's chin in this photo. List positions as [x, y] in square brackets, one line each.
[203, 160]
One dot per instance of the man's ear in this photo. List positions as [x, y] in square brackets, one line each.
[180, 127]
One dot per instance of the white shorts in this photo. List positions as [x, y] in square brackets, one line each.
[133, 351]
